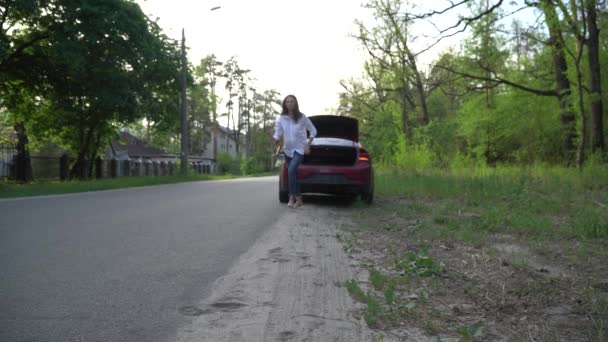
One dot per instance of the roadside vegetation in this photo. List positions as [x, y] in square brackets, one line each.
[485, 254]
[40, 188]
[490, 219]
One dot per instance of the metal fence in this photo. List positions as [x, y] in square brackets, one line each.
[58, 168]
[8, 152]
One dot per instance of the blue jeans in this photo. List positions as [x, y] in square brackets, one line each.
[292, 173]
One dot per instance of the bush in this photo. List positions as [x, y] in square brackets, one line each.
[228, 164]
[251, 166]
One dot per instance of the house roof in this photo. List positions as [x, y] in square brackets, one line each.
[134, 148]
[229, 132]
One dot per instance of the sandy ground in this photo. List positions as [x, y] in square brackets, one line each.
[286, 288]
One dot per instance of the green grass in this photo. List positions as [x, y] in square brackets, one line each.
[468, 204]
[558, 213]
[10, 190]
[356, 291]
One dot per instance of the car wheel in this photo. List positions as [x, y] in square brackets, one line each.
[368, 196]
[283, 197]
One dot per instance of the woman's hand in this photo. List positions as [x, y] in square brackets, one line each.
[307, 149]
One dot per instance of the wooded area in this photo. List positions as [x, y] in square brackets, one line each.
[515, 91]
[525, 85]
[75, 72]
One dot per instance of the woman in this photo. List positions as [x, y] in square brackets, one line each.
[292, 126]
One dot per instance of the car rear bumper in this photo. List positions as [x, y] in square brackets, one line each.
[353, 179]
[331, 183]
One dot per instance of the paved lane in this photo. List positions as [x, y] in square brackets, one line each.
[117, 265]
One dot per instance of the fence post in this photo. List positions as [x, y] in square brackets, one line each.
[113, 167]
[127, 165]
[156, 167]
[137, 168]
[83, 170]
[98, 167]
[171, 168]
[147, 167]
[22, 161]
[64, 167]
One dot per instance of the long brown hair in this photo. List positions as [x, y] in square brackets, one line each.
[297, 115]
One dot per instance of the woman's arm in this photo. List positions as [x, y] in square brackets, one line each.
[311, 128]
[278, 132]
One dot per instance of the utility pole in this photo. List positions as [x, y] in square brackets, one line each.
[215, 123]
[184, 114]
[214, 104]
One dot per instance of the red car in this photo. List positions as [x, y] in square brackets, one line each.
[337, 164]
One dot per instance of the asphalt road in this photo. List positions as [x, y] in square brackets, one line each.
[118, 265]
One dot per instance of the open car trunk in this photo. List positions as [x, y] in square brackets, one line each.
[331, 155]
[336, 141]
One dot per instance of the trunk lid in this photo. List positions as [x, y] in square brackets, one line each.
[333, 126]
[336, 143]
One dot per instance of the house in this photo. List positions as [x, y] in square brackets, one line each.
[225, 144]
[130, 147]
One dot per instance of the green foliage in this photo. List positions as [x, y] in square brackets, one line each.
[483, 98]
[250, 166]
[227, 164]
[92, 66]
[373, 312]
[419, 264]
[389, 294]
[53, 188]
[502, 134]
[468, 333]
[539, 202]
[355, 291]
[377, 279]
[591, 222]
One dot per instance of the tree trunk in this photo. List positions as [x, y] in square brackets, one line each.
[23, 162]
[595, 83]
[80, 168]
[93, 153]
[560, 68]
[183, 111]
[405, 121]
[248, 136]
[215, 124]
[419, 88]
[580, 155]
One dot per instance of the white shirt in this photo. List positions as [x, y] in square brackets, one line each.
[294, 133]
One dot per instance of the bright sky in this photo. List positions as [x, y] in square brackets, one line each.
[299, 47]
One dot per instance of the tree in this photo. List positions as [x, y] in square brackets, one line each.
[595, 82]
[208, 72]
[562, 88]
[199, 121]
[580, 17]
[485, 55]
[236, 84]
[393, 64]
[96, 65]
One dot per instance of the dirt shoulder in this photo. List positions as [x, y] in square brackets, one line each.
[382, 273]
[288, 287]
[497, 287]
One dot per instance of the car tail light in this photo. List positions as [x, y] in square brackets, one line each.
[364, 156]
